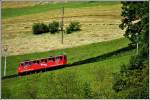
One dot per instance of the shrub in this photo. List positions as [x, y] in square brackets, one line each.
[133, 78]
[88, 93]
[73, 26]
[54, 27]
[39, 28]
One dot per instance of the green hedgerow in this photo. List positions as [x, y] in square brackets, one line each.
[54, 27]
[39, 28]
[73, 26]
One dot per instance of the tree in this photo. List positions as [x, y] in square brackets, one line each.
[133, 78]
[135, 20]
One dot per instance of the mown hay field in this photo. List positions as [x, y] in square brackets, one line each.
[17, 4]
[98, 23]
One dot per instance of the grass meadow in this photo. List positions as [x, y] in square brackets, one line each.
[8, 12]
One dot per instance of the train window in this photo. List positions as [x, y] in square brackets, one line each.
[34, 61]
[26, 63]
[49, 59]
[58, 58]
[31, 62]
[53, 59]
[38, 61]
[65, 58]
[44, 60]
[22, 64]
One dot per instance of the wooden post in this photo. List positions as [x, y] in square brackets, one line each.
[5, 50]
[5, 66]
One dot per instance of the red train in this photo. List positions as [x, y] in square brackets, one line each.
[35, 65]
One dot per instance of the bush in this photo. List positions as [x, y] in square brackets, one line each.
[54, 27]
[39, 28]
[88, 93]
[73, 26]
[133, 78]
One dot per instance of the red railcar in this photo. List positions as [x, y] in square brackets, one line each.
[35, 65]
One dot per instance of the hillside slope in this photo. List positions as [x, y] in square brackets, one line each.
[85, 80]
[74, 54]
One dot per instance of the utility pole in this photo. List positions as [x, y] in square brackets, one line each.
[5, 57]
[62, 23]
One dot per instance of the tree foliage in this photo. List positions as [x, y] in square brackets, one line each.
[135, 20]
[39, 28]
[133, 78]
[54, 27]
[73, 26]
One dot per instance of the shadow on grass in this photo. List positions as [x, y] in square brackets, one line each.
[101, 57]
[86, 61]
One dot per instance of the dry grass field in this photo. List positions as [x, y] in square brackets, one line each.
[18, 4]
[98, 23]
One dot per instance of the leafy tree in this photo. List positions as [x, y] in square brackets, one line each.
[135, 20]
[133, 78]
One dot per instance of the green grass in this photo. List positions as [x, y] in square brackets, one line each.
[90, 80]
[74, 54]
[53, 84]
[14, 12]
